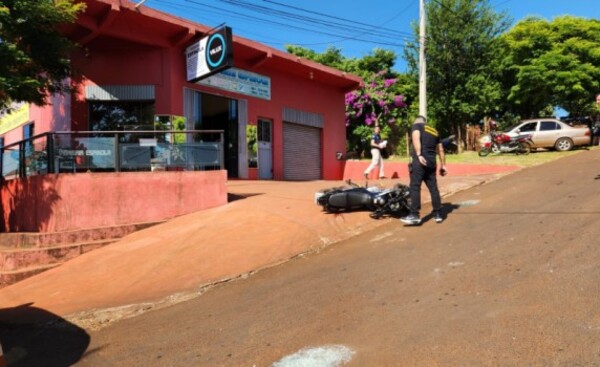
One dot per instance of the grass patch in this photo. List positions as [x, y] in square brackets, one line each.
[504, 159]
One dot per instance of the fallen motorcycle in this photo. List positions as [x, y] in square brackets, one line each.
[380, 201]
[503, 143]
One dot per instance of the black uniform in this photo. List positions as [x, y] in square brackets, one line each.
[419, 173]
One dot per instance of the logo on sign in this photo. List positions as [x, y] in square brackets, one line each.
[210, 55]
[216, 50]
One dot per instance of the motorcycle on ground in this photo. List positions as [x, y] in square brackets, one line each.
[380, 201]
[503, 143]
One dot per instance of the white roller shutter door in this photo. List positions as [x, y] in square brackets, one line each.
[301, 152]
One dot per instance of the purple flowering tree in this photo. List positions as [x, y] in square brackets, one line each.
[376, 103]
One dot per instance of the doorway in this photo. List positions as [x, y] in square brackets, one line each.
[220, 113]
[265, 149]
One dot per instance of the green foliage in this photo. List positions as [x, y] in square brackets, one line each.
[179, 125]
[463, 62]
[375, 103]
[378, 101]
[553, 64]
[252, 138]
[373, 63]
[35, 57]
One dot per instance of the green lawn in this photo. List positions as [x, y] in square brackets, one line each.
[509, 159]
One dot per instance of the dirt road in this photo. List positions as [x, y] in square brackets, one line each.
[512, 277]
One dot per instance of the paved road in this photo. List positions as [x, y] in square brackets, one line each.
[512, 277]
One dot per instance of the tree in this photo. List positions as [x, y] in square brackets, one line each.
[331, 57]
[380, 99]
[462, 52]
[375, 103]
[35, 57]
[553, 64]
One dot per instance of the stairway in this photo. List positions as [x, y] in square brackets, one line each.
[23, 255]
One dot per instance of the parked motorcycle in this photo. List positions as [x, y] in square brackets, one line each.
[379, 201]
[503, 143]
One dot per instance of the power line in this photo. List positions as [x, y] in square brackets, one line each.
[351, 37]
[346, 19]
[347, 25]
[339, 31]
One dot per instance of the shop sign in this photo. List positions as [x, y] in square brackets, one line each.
[210, 55]
[84, 152]
[148, 142]
[93, 152]
[17, 115]
[241, 81]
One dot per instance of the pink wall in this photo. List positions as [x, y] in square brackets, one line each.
[53, 203]
[55, 116]
[354, 170]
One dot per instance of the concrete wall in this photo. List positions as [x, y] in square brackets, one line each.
[62, 202]
[354, 170]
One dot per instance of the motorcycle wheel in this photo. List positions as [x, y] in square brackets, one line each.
[484, 152]
[496, 148]
[523, 148]
[394, 207]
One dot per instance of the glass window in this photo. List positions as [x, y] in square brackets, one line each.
[264, 131]
[549, 125]
[530, 126]
[28, 131]
[121, 115]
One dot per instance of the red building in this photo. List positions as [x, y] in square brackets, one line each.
[279, 116]
[132, 63]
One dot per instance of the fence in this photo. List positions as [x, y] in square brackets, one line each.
[114, 151]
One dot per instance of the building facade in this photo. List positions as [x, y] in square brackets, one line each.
[282, 117]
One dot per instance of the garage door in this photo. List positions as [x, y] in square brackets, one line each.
[301, 152]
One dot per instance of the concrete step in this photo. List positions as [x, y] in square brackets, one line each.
[26, 254]
[49, 239]
[12, 259]
[10, 277]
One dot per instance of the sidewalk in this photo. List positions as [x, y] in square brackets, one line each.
[267, 223]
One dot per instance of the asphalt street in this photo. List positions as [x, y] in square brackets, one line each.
[510, 278]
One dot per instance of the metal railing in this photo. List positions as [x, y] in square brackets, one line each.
[114, 151]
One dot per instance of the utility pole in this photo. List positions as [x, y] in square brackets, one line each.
[422, 63]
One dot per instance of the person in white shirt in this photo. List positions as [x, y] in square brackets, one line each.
[377, 159]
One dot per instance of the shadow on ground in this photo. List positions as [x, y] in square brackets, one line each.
[233, 197]
[446, 209]
[31, 336]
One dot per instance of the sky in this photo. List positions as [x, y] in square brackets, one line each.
[354, 26]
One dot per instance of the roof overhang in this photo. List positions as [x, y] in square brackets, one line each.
[121, 20]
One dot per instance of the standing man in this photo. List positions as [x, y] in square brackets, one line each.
[425, 144]
[377, 159]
